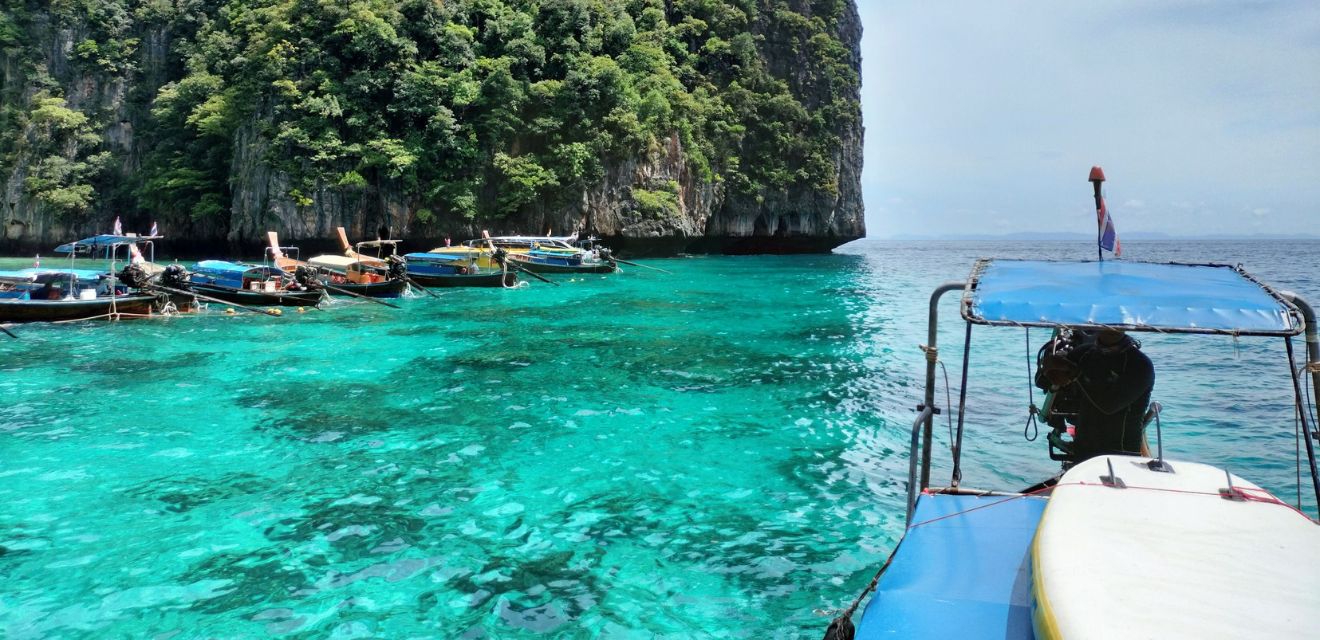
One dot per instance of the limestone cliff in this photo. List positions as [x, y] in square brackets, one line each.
[154, 112]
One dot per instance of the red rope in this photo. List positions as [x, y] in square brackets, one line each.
[1248, 494]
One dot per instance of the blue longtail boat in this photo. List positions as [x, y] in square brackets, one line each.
[48, 294]
[456, 269]
[251, 284]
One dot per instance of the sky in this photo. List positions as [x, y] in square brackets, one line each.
[986, 117]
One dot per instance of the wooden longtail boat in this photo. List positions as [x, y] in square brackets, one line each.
[554, 262]
[343, 275]
[456, 270]
[251, 284]
[450, 267]
[69, 293]
[550, 254]
[56, 296]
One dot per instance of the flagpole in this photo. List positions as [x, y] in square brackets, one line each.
[1097, 177]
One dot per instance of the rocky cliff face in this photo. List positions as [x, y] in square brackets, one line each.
[63, 177]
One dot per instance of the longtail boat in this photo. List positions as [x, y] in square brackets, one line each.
[57, 296]
[69, 293]
[251, 284]
[550, 254]
[451, 267]
[341, 274]
[457, 269]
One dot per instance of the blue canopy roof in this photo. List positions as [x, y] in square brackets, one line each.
[236, 268]
[442, 257]
[101, 242]
[32, 273]
[1185, 298]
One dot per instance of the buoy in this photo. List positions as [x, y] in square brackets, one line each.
[229, 311]
[302, 309]
[276, 312]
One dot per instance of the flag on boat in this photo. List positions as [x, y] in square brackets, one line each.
[119, 228]
[1108, 236]
[1105, 234]
[154, 231]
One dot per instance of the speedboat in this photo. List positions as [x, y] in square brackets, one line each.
[1119, 545]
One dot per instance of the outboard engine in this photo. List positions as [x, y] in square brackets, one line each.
[397, 267]
[307, 277]
[135, 276]
[175, 276]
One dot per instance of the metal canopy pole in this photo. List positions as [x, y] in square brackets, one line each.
[1312, 339]
[1312, 362]
[932, 356]
[1306, 423]
[962, 408]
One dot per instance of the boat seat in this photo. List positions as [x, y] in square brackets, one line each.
[966, 576]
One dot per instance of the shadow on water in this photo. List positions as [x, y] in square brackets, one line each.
[270, 575]
[182, 494]
[306, 410]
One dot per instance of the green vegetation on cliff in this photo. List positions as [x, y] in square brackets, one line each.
[473, 108]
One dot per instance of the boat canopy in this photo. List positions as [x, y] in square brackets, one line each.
[561, 242]
[102, 242]
[1137, 296]
[33, 273]
[443, 257]
[221, 267]
[333, 261]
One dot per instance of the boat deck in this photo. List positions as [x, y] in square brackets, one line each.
[964, 576]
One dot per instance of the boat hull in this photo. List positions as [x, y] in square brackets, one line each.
[260, 298]
[495, 279]
[543, 267]
[17, 310]
[387, 289]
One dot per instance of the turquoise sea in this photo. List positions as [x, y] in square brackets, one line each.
[717, 453]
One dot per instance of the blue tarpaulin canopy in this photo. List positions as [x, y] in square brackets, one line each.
[102, 242]
[1142, 296]
[442, 257]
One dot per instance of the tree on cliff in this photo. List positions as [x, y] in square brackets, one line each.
[474, 108]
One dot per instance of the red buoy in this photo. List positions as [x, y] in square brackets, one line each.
[1097, 175]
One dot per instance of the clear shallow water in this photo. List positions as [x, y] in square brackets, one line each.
[715, 453]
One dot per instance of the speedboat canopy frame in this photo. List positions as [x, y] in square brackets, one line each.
[1133, 296]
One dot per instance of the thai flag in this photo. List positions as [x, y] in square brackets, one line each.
[154, 231]
[1108, 236]
[119, 228]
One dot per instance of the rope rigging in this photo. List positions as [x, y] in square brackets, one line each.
[1032, 411]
